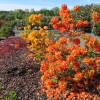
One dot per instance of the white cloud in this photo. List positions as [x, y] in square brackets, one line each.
[8, 7]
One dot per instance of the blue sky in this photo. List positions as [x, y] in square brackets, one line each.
[39, 4]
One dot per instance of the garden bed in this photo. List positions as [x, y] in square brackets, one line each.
[19, 74]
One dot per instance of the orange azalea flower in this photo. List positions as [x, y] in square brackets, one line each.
[76, 8]
[48, 83]
[88, 60]
[58, 68]
[62, 40]
[79, 23]
[73, 94]
[43, 69]
[69, 40]
[85, 23]
[58, 91]
[62, 85]
[62, 29]
[64, 11]
[64, 64]
[64, 7]
[78, 76]
[97, 47]
[44, 66]
[83, 94]
[83, 51]
[75, 53]
[93, 39]
[72, 47]
[54, 20]
[50, 93]
[47, 74]
[69, 58]
[56, 27]
[56, 98]
[95, 16]
[58, 55]
[50, 49]
[98, 61]
[91, 42]
[50, 58]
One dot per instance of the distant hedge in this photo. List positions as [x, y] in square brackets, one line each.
[7, 29]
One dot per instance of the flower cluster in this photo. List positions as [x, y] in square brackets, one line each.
[37, 40]
[96, 16]
[35, 18]
[81, 23]
[66, 22]
[91, 42]
[28, 27]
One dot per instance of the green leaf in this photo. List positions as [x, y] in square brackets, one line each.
[55, 80]
[6, 98]
[70, 72]
[38, 56]
[69, 81]
[91, 53]
[89, 67]
[13, 95]
[80, 56]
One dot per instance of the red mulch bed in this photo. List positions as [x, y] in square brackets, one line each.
[17, 71]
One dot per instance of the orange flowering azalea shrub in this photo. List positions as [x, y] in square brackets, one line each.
[71, 63]
[37, 40]
[67, 67]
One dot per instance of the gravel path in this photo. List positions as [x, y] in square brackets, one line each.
[17, 73]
